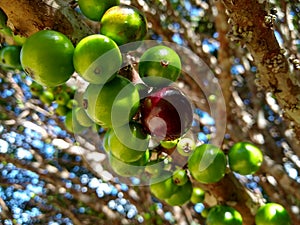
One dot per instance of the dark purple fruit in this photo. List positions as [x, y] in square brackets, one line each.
[166, 114]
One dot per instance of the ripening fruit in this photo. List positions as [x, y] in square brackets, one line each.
[245, 158]
[62, 98]
[272, 214]
[166, 114]
[224, 215]
[124, 24]
[94, 9]
[159, 66]
[207, 164]
[111, 104]
[97, 58]
[47, 56]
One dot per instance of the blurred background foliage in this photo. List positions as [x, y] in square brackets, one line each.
[50, 177]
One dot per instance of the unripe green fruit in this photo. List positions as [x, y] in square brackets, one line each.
[182, 195]
[62, 110]
[47, 97]
[163, 187]
[62, 98]
[197, 195]
[180, 177]
[82, 117]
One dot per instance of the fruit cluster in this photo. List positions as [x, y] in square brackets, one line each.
[146, 117]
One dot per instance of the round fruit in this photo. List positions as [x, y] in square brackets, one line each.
[128, 169]
[207, 164]
[94, 9]
[10, 56]
[97, 58]
[124, 24]
[47, 56]
[181, 195]
[197, 195]
[245, 158]
[162, 186]
[61, 110]
[111, 104]
[166, 114]
[223, 215]
[82, 117]
[62, 98]
[72, 124]
[36, 89]
[160, 65]
[272, 214]
[180, 177]
[169, 144]
[47, 97]
[186, 146]
[129, 143]
[72, 103]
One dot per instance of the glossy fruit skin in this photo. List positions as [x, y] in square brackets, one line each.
[94, 9]
[128, 169]
[180, 177]
[223, 215]
[166, 114]
[61, 110]
[245, 158]
[112, 104]
[198, 195]
[207, 164]
[125, 145]
[97, 58]
[124, 24]
[62, 98]
[159, 66]
[186, 146]
[47, 56]
[162, 186]
[272, 214]
[10, 57]
[36, 89]
[82, 117]
[47, 97]
[181, 195]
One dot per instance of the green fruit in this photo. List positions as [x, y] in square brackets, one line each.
[112, 104]
[10, 57]
[182, 195]
[198, 195]
[186, 146]
[61, 110]
[82, 117]
[47, 56]
[124, 24]
[97, 58]
[94, 9]
[207, 164]
[72, 103]
[169, 144]
[180, 177]
[245, 158]
[72, 124]
[105, 141]
[223, 215]
[163, 187]
[36, 89]
[129, 143]
[128, 169]
[272, 214]
[47, 97]
[62, 98]
[159, 66]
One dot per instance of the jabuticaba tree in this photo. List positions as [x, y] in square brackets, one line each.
[252, 48]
